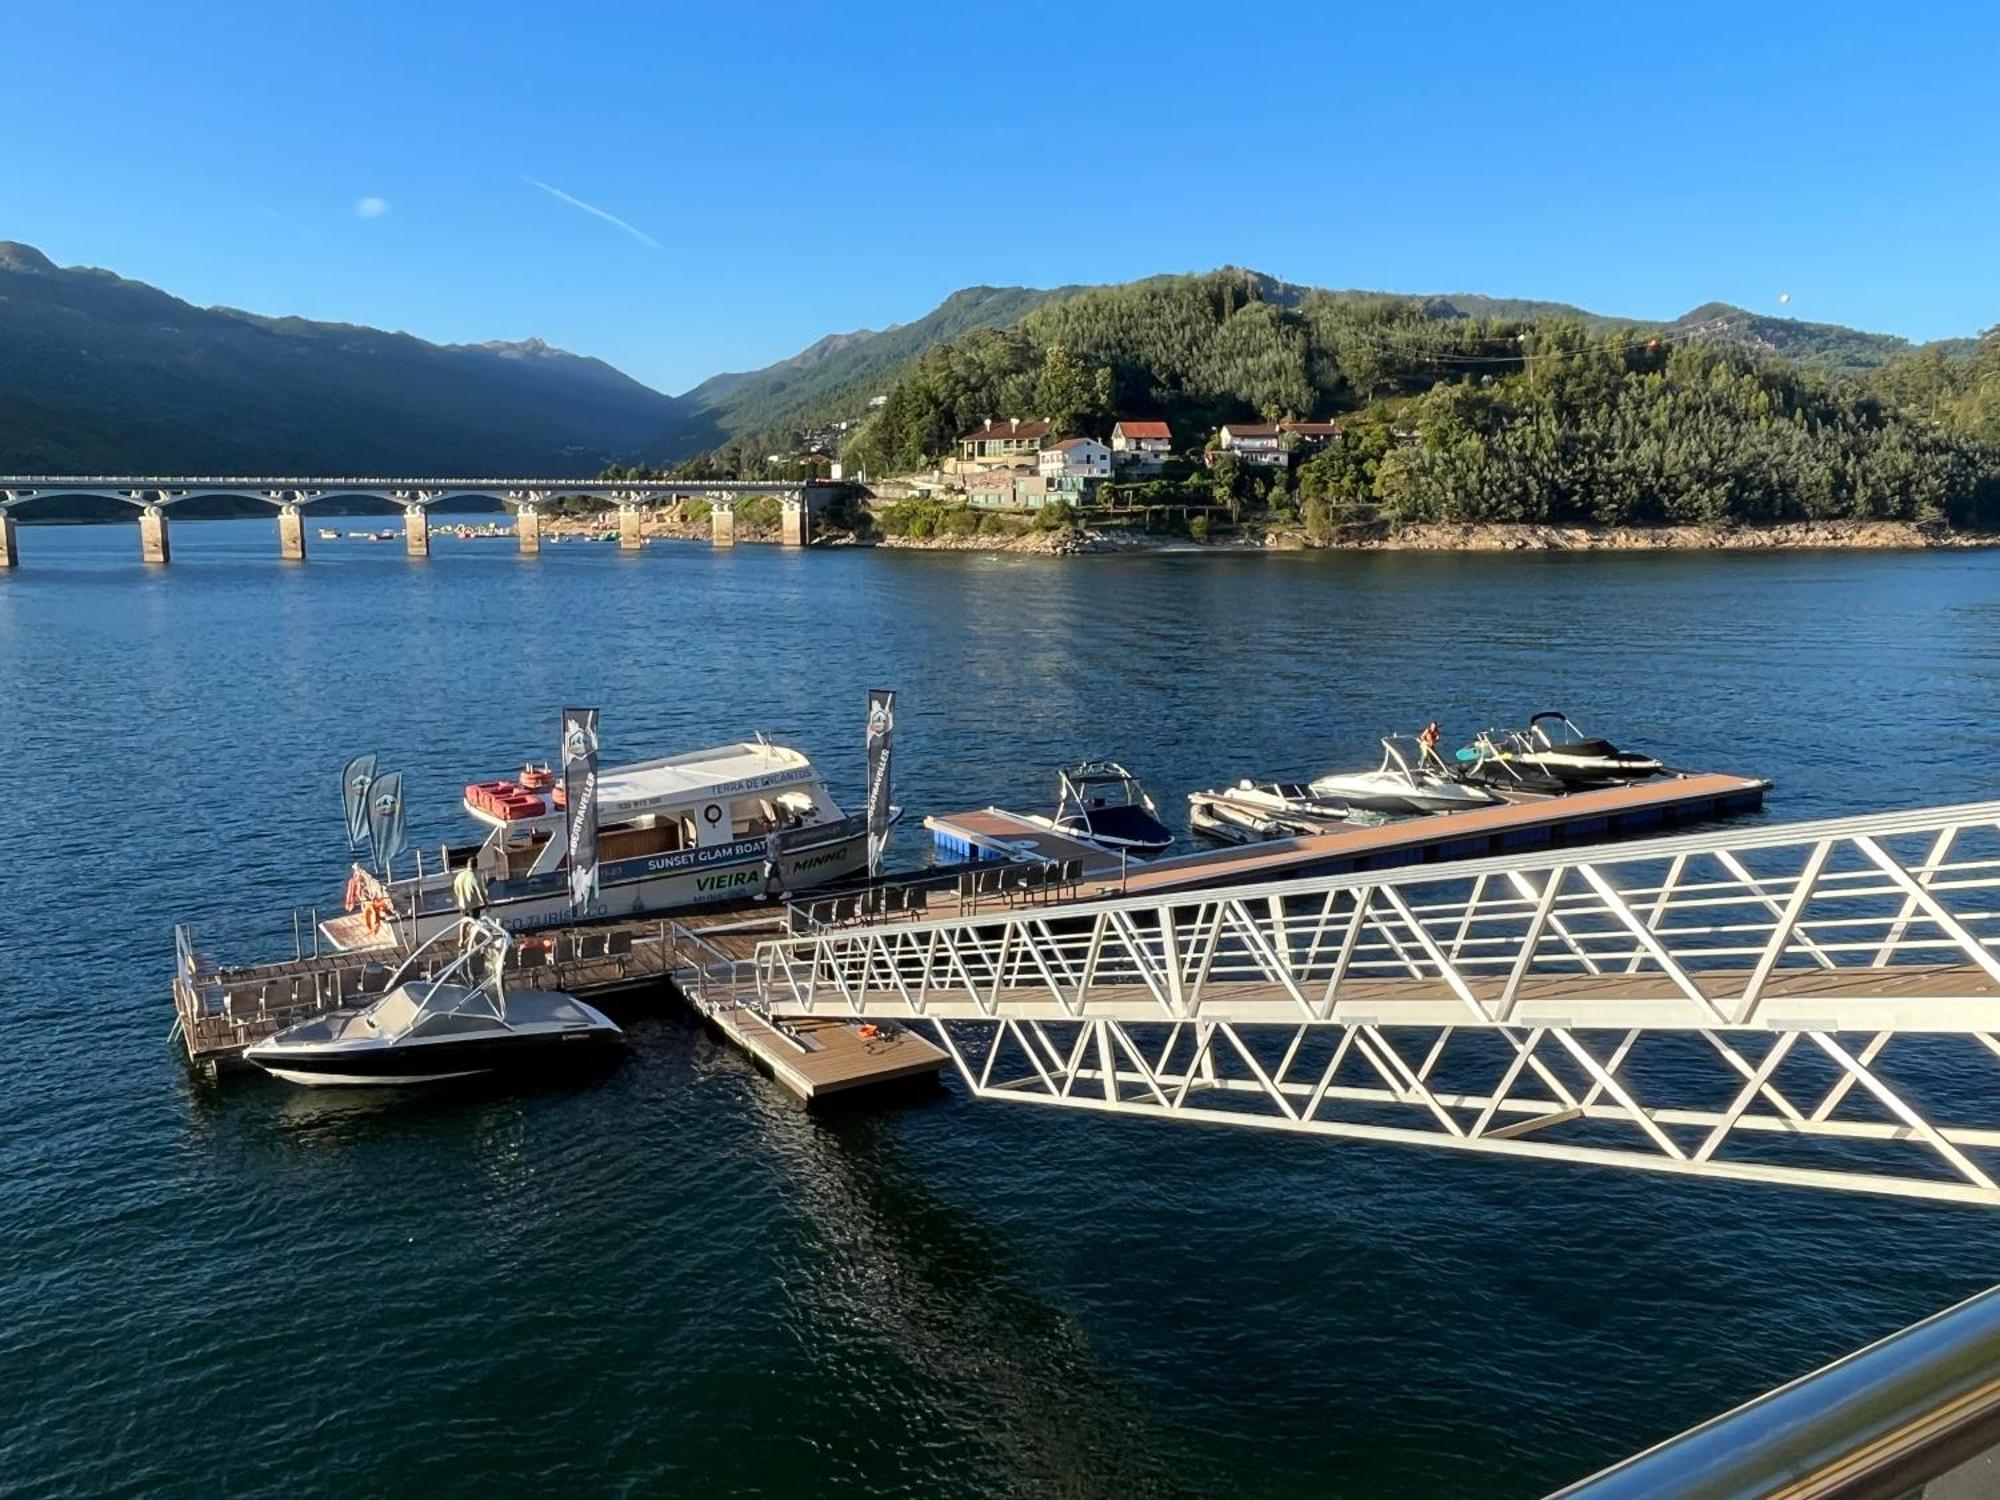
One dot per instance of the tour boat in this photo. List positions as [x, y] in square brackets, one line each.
[328, 534]
[1251, 812]
[734, 821]
[462, 1022]
[1555, 745]
[1398, 786]
[1102, 803]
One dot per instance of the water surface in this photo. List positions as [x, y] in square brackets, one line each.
[674, 1281]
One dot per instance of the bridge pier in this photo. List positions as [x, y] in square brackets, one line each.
[416, 530]
[722, 521]
[8, 557]
[631, 520]
[528, 528]
[291, 533]
[798, 520]
[153, 546]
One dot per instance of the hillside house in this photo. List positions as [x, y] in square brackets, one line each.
[1252, 442]
[1310, 434]
[1141, 447]
[1075, 458]
[1002, 445]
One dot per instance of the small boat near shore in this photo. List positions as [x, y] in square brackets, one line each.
[1399, 786]
[461, 1023]
[1101, 803]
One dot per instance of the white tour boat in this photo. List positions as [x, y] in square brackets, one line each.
[677, 832]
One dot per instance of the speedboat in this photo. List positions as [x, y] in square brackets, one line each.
[1494, 761]
[1398, 786]
[676, 832]
[460, 1023]
[1251, 812]
[1553, 744]
[1102, 803]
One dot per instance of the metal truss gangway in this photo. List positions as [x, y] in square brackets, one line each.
[1813, 1004]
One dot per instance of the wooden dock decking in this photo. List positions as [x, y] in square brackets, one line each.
[820, 1057]
[1507, 827]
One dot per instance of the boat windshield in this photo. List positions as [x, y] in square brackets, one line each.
[1555, 729]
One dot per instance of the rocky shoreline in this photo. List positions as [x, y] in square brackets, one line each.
[1437, 537]
[1383, 537]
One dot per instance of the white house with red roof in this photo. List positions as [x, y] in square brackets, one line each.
[1075, 458]
[1141, 447]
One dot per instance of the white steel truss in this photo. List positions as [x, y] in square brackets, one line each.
[1814, 1003]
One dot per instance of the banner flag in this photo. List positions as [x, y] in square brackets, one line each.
[354, 779]
[579, 768]
[881, 748]
[386, 832]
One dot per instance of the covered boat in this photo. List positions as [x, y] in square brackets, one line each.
[1555, 745]
[1254, 811]
[463, 1022]
[684, 830]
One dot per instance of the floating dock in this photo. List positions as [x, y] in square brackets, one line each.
[221, 1010]
[1521, 822]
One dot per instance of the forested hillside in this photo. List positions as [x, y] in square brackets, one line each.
[761, 411]
[1464, 418]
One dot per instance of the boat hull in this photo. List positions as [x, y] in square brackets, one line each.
[1592, 770]
[405, 1064]
[1400, 797]
[655, 886]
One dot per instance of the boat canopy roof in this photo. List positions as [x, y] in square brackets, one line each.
[724, 771]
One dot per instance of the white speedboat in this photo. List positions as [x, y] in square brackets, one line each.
[1398, 786]
[1102, 803]
[1252, 812]
[673, 833]
[462, 1022]
[1553, 744]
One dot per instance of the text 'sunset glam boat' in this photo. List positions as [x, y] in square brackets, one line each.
[713, 825]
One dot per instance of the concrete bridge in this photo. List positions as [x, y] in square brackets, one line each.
[153, 496]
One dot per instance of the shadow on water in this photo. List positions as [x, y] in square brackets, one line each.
[994, 1356]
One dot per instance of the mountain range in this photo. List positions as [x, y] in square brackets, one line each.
[102, 374]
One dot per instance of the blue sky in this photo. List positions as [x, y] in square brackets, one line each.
[682, 190]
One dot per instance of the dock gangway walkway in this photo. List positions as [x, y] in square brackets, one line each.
[1814, 1004]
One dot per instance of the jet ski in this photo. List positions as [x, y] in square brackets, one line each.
[1102, 803]
[461, 1023]
[1553, 744]
[1398, 786]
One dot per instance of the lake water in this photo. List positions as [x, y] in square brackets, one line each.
[674, 1281]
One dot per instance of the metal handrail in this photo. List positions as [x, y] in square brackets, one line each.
[1870, 1426]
